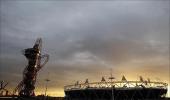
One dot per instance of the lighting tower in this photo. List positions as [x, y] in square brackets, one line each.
[111, 79]
[47, 80]
[26, 87]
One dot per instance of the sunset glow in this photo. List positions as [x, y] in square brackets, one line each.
[85, 39]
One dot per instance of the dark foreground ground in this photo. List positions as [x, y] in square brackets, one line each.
[54, 98]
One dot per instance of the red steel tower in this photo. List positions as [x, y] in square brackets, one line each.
[26, 87]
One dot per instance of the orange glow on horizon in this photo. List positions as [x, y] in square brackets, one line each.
[55, 93]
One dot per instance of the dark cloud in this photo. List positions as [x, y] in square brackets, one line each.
[85, 38]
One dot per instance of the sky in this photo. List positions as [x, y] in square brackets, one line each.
[85, 39]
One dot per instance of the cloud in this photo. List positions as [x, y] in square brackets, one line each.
[85, 39]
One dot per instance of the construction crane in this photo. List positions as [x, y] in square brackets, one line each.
[26, 87]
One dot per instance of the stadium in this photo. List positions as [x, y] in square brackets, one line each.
[116, 90]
